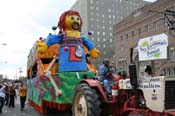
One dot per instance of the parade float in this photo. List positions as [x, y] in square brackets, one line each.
[56, 64]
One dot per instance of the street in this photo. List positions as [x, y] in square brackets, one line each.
[29, 111]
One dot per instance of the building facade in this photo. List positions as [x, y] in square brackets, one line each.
[99, 16]
[146, 21]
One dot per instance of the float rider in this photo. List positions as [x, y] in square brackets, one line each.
[104, 76]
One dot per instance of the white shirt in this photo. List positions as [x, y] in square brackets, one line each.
[2, 94]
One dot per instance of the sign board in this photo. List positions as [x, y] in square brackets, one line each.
[147, 83]
[153, 48]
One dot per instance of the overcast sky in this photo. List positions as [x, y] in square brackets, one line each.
[22, 22]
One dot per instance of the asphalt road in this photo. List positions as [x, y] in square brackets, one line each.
[29, 111]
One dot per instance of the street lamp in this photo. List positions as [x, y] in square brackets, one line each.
[54, 28]
[20, 71]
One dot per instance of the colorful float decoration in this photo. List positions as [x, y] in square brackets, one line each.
[58, 63]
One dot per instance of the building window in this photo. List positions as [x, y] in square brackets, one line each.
[111, 40]
[97, 8]
[123, 64]
[164, 72]
[172, 71]
[163, 22]
[121, 37]
[139, 31]
[98, 39]
[103, 33]
[104, 39]
[102, 4]
[146, 28]
[172, 54]
[110, 22]
[110, 34]
[98, 27]
[132, 33]
[92, 27]
[98, 45]
[155, 25]
[127, 36]
[110, 16]
[169, 71]
[103, 27]
[97, 2]
[104, 46]
[98, 33]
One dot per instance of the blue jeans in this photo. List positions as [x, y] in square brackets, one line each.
[107, 85]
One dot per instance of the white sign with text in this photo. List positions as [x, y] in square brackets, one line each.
[153, 47]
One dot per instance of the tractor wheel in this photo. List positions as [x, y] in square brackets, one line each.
[86, 101]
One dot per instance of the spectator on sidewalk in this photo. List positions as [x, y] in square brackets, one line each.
[6, 90]
[2, 97]
[22, 94]
[12, 93]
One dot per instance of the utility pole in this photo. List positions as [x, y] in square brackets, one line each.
[20, 71]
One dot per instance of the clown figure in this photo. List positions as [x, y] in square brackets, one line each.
[71, 51]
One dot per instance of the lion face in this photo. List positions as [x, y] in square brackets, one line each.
[72, 22]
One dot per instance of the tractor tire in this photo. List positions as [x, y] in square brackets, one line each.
[86, 101]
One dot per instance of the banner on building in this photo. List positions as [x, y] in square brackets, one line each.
[153, 47]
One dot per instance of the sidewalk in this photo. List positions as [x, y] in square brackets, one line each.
[29, 111]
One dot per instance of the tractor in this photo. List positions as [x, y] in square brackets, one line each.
[130, 96]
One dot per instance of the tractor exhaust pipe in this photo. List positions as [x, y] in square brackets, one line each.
[133, 72]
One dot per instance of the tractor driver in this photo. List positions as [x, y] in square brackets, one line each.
[104, 76]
